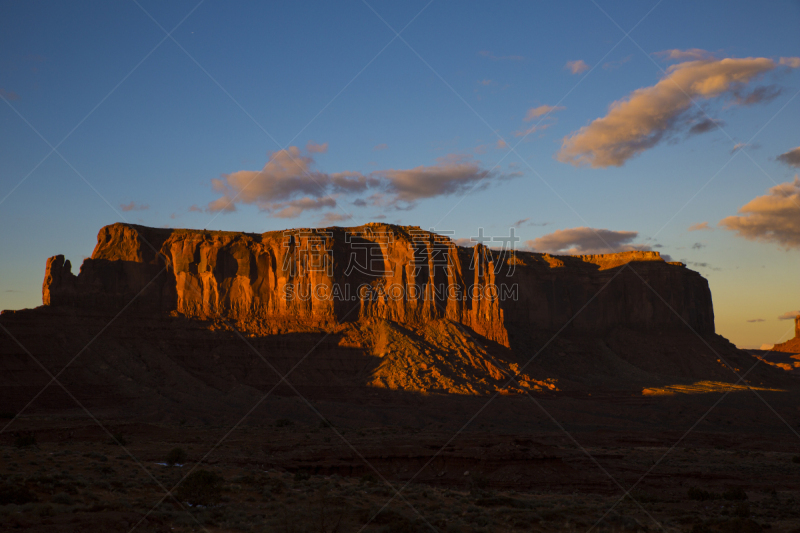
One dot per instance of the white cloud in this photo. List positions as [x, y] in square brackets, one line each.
[774, 217]
[641, 120]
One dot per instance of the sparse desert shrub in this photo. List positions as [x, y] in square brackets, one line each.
[16, 494]
[742, 510]
[46, 510]
[796, 459]
[24, 440]
[478, 484]
[7, 415]
[301, 475]
[96, 455]
[740, 525]
[283, 422]
[736, 494]
[701, 528]
[201, 488]
[62, 498]
[119, 438]
[274, 486]
[500, 501]
[698, 494]
[176, 456]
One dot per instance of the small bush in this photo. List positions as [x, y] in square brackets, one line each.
[301, 475]
[176, 456]
[25, 440]
[7, 415]
[736, 494]
[796, 459]
[119, 438]
[283, 422]
[201, 488]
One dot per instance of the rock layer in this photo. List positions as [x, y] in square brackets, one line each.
[296, 279]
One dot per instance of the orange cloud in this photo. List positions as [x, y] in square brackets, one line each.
[699, 226]
[133, 206]
[774, 217]
[332, 218]
[314, 148]
[8, 95]
[576, 67]
[682, 55]
[586, 241]
[485, 53]
[287, 175]
[289, 184]
[641, 120]
[791, 62]
[451, 176]
[536, 112]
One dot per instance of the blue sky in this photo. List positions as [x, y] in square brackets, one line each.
[426, 121]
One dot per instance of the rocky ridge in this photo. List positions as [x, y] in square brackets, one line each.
[280, 281]
[204, 323]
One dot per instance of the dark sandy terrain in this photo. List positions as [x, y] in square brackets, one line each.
[513, 468]
[600, 400]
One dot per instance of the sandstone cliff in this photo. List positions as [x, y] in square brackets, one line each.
[194, 323]
[285, 281]
[792, 345]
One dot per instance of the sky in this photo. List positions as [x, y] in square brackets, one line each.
[588, 126]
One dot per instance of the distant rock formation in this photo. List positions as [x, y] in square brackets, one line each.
[296, 279]
[792, 345]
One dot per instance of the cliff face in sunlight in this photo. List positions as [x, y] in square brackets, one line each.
[207, 322]
[285, 281]
[792, 345]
